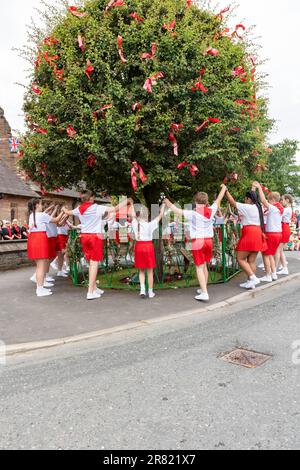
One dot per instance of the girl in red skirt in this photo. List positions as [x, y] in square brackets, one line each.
[38, 245]
[253, 235]
[287, 203]
[273, 231]
[201, 227]
[144, 248]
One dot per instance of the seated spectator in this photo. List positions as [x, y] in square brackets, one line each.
[16, 230]
[1, 227]
[7, 233]
[25, 230]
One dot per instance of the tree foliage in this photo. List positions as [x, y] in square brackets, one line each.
[104, 146]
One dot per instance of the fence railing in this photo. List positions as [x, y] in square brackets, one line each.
[117, 268]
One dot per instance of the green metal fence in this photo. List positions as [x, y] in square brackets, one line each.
[117, 269]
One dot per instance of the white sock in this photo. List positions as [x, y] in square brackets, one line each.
[150, 291]
[143, 289]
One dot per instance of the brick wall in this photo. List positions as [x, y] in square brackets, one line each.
[13, 255]
[14, 207]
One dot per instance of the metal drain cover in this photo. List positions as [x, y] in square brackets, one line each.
[245, 358]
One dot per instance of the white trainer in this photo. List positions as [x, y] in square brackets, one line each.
[266, 279]
[255, 281]
[61, 274]
[48, 284]
[202, 297]
[54, 266]
[33, 278]
[244, 285]
[274, 277]
[152, 295]
[93, 296]
[250, 285]
[142, 295]
[49, 279]
[199, 291]
[261, 266]
[42, 292]
[283, 272]
[100, 291]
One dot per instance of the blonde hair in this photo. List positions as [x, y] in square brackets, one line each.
[201, 198]
[274, 196]
[289, 198]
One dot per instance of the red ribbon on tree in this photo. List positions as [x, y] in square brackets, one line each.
[249, 108]
[51, 41]
[41, 130]
[75, 12]
[199, 85]
[152, 81]
[51, 119]
[213, 52]
[222, 13]
[192, 168]
[170, 27]
[188, 3]
[135, 16]
[20, 153]
[265, 190]
[71, 132]
[237, 28]
[89, 69]
[120, 48]
[81, 43]
[136, 106]
[91, 161]
[59, 73]
[134, 169]
[36, 89]
[50, 59]
[232, 177]
[114, 4]
[174, 128]
[151, 55]
[102, 110]
[207, 122]
[240, 72]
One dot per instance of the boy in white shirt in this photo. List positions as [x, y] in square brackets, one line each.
[201, 227]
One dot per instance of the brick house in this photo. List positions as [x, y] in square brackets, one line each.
[14, 191]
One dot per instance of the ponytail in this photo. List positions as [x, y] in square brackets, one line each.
[32, 208]
[255, 199]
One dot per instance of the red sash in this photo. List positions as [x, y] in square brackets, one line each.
[205, 211]
[9, 231]
[17, 229]
[279, 207]
[85, 206]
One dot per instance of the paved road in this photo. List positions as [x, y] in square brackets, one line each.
[163, 386]
[25, 318]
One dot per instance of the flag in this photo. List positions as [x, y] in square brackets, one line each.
[14, 145]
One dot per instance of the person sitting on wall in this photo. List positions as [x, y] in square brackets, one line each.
[25, 231]
[16, 230]
[1, 227]
[7, 233]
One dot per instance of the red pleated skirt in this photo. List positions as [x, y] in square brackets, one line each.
[202, 249]
[52, 247]
[286, 232]
[38, 246]
[62, 241]
[144, 255]
[252, 239]
[274, 239]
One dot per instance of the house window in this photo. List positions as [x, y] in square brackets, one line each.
[13, 211]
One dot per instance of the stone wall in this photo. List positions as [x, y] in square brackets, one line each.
[13, 254]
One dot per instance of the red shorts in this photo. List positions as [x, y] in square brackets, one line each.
[252, 240]
[92, 246]
[62, 241]
[202, 249]
[144, 255]
[38, 246]
[52, 247]
[286, 233]
[273, 240]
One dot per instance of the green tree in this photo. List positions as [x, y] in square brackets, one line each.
[283, 171]
[88, 83]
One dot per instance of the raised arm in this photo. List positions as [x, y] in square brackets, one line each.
[231, 199]
[257, 185]
[124, 203]
[221, 195]
[161, 212]
[173, 208]
[67, 212]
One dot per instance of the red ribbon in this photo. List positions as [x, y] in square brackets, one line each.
[36, 89]
[51, 41]
[136, 106]
[59, 73]
[207, 122]
[91, 161]
[120, 48]
[237, 28]
[172, 138]
[135, 16]
[41, 130]
[152, 81]
[192, 168]
[20, 153]
[134, 169]
[188, 3]
[232, 177]
[81, 43]
[75, 12]
[89, 69]
[240, 72]
[147, 55]
[279, 206]
[170, 27]
[221, 14]
[249, 107]
[50, 59]
[114, 4]
[51, 119]
[212, 51]
[101, 110]
[71, 132]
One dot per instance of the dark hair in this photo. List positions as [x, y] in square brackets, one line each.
[255, 199]
[85, 196]
[32, 207]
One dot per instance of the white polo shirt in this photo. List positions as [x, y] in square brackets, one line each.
[274, 220]
[42, 220]
[249, 214]
[92, 220]
[143, 231]
[200, 226]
